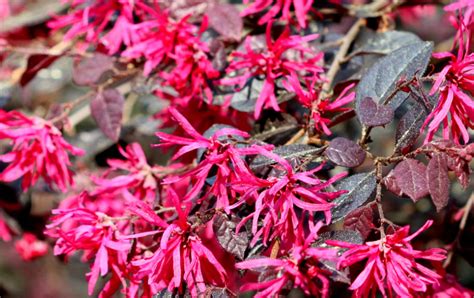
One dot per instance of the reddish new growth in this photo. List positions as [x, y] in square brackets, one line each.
[38, 150]
[301, 7]
[301, 268]
[455, 84]
[392, 265]
[278, 59]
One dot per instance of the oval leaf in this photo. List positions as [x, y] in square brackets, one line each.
[373, 114]
[438, 180]
[362, 220]
[233, 243]
[408, 128]
[382, 78]
[345, 152]
[89, 70]
[359, 188]
[106, 109]
[383, 42]
[410, 175]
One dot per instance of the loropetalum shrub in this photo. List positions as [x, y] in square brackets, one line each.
[271, 180]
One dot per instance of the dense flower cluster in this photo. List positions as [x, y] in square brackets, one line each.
[249, 194]
[319, 107]
[301, 7]
[392, 266]
[273, 61]
[302, 268]
[455, 85]
[39, 150]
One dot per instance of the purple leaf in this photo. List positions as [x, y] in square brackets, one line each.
[410, 175]
[359, 187]
[89, 70]
[381, 81]
[390, 183]
[438, 181]
[408, 128]
[361, 220]
[233, 243]
[372, 114]
[106, 109]
[226, 20]
[35, 63]
[345, 152]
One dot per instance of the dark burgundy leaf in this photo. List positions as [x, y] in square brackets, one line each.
[359, 188]
[233, 243]
[89, 70]
[390, 183]
[106, 109]
[372, 114]
[361, 220]
[225, 19]
[382, 78]
[408, 128]
[410, 175]
[34, 65]
[438, 180]
[345, 152]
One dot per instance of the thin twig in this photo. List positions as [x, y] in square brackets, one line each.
[341, 54]
[462, 225]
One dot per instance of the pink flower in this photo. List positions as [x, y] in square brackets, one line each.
[6, 232]
[278, 200]
[302, 7]
[39, 150]
[449, 287]
[203, 116]
[309, 97]
[176, 44]
[157, 38]
[455, 84]
[273, 62]
[30, 248]
[97, 235]
[140, 178]
[181, 260]
[219, 153]
[4, 9]
[391, 265]
[301, 269]
[466, 7]
[93, 19]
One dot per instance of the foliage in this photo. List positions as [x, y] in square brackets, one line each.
[265, 172]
